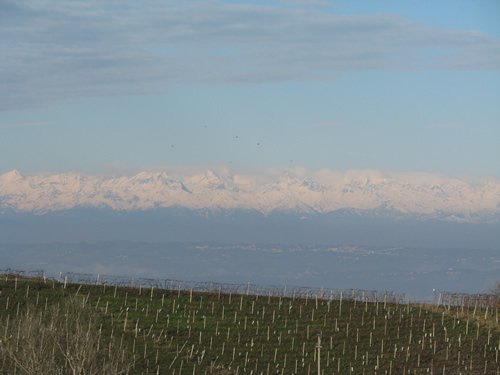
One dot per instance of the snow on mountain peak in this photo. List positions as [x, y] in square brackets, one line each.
[324, 191]
[207, 180]
[12, 176]
[150, 177]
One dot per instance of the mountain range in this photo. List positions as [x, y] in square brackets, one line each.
[421, 195]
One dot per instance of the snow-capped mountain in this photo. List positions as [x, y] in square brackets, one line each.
[424, 195]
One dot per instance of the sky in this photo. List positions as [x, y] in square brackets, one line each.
[118, 86]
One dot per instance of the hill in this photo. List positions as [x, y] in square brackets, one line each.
[111, 329]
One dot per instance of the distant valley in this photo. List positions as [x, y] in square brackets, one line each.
[413, 271]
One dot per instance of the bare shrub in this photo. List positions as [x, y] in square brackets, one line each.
[63, 340]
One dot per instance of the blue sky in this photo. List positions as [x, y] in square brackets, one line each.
[120, 86]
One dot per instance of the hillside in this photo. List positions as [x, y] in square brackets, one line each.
[139, 331]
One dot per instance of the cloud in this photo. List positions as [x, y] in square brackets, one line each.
[52, 50]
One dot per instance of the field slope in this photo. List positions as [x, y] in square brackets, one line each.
[49, 326]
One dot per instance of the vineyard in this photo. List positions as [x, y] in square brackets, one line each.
[50, 326]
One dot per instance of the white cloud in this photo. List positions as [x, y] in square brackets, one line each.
[52, 50]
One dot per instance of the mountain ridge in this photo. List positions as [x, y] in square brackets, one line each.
[420, 195]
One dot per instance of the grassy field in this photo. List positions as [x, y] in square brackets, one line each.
[47, 326]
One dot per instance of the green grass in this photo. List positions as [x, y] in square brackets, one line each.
[181, 332]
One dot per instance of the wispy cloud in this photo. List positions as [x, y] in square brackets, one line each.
[52, 50]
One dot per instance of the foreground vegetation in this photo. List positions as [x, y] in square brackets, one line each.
[47, 327]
